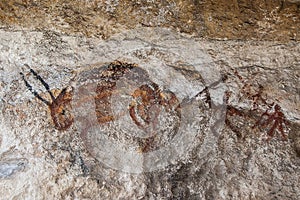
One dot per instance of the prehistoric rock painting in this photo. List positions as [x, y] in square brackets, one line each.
[60, 106]
[263, 114]
[148, 101]
[146, 105]
[277, 120]
[106, 86]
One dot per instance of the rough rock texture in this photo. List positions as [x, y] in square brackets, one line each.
[222, 19]
[237, 101]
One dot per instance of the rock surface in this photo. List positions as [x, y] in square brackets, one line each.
[222, 19]
[193, 115]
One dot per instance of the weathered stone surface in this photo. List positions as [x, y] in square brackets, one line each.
[222, 19]
[220, 104]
